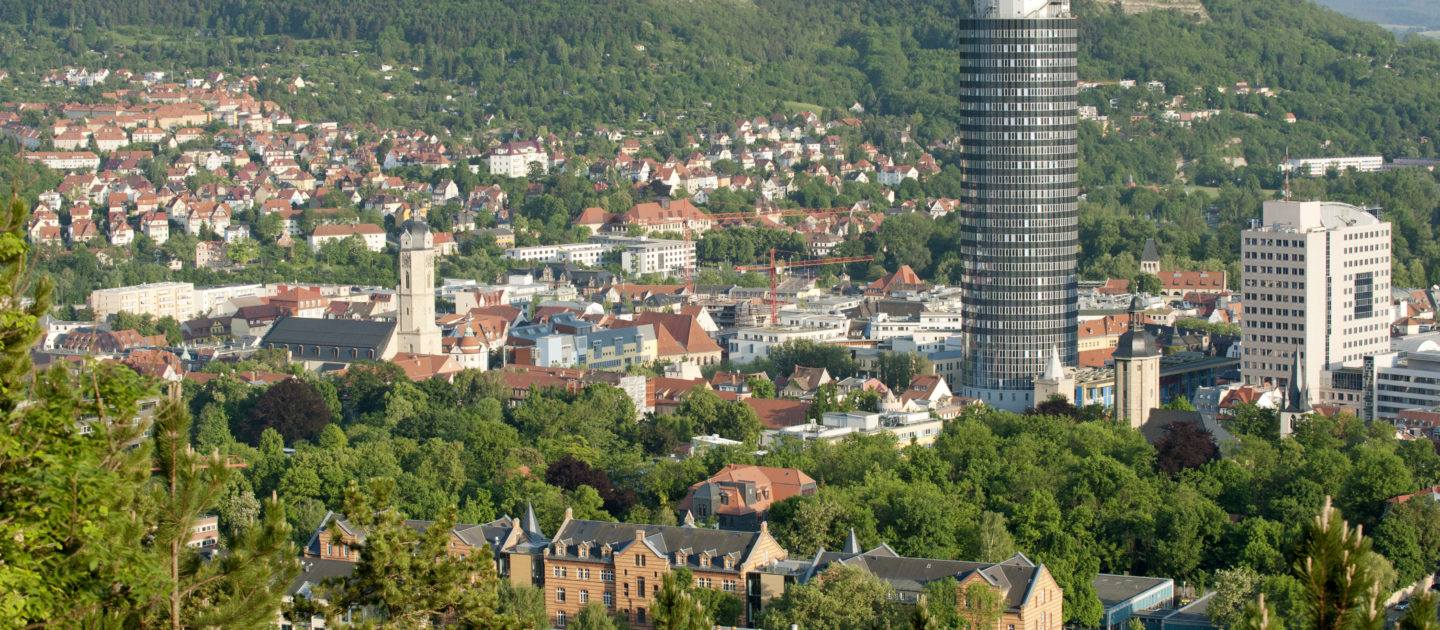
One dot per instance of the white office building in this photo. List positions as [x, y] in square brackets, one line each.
[1316, 279]
[1317, 167]
[671, 258]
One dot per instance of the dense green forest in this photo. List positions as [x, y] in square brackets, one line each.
[1082, 496]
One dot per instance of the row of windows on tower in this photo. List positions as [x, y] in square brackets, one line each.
[1010, 121]
[1060, 137]
[1018, 48]
[1018, 77]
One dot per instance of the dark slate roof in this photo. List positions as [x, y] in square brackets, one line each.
[1149, 253]
[1160, 419]
[315, 570]
[664, 540]
[909, 576]
[344, 334]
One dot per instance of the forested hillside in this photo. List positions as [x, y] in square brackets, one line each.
[571, 65]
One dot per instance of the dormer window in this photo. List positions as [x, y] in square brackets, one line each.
[704, 561]
[583, 551]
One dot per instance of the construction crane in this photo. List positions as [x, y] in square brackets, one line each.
[775, 267]
[720, 217]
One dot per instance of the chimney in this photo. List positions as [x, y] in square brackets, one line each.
[764, 527]
[639, 534]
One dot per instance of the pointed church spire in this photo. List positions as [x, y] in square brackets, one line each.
[852, 544]
[1054, 371]
[531, 524]
[1297, 398]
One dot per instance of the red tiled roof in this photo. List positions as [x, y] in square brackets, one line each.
[778, 414]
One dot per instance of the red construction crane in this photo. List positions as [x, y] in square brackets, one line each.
[774, 268]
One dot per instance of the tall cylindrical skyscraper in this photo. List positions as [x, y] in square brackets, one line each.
[1019, 218]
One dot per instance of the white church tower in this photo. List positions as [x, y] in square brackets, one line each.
[417, 332]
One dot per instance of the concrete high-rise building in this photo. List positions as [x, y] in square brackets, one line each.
[1316, 278]
[417, 331]
[1137, 370]
[1018, 211]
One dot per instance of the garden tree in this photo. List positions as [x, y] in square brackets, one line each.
[1184, 445]
[1251, 420]
[239, 589]
[940, 605]
[703, 412]
[1146, 283]
[293, 408]
[406, 575]
[760, 387]
[675, 607]
[75, 552]
[1234, 589]
[571, 474]
[992, 538]
[1378, 474]
[1179, 403]
[896, 369]
[724, 609]
[525, 603]
[213, 429]
[593, 617]
[841, 597]
[1409, 536]
[980, 606]
[807, 353]
[827, 399]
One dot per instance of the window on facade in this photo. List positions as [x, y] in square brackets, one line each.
[584, 597]
[639, 615]
[640, 587]
[560, 619]
[609, 600]
[559, 594]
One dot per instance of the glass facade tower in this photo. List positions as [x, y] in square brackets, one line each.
[1019, 217]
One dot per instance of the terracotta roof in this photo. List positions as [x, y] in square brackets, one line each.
[420, 367]
[778, 414]
[1193, 280]
[682, 330]
[904, 276]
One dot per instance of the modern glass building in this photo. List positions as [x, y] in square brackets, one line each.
[1019, 218]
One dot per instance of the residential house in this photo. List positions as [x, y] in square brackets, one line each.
[740, 496]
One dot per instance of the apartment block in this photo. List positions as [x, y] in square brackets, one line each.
[158, 299]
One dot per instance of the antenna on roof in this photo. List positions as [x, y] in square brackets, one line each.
[1287, 169]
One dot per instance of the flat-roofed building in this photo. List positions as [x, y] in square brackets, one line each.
[157, 299]
[1316, 280]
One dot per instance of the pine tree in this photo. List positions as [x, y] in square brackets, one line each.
[88, 538]
[68, 498]
[1421, 615]
[238, 589]
[1340, 591]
